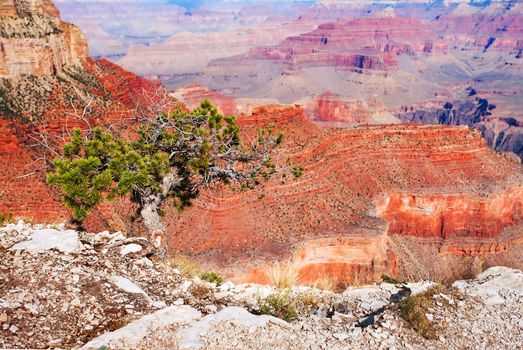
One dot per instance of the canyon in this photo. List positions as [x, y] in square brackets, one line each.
[338, 60]
[376, 195]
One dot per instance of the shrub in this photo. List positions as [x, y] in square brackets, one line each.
[282, 275]
[4, 219]
[414, 308]
[171, 156]
[297, 171]
[212, 277]
[188, 267]
[279, 305]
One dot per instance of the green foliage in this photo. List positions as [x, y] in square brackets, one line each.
[212, 277]
[97, 167]
[192, 148]
[4, 219]
[297, 171]
[279, 305]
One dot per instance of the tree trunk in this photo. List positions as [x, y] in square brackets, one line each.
[151, 217]
[153, 223]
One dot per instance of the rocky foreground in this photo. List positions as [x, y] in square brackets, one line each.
[66, 289]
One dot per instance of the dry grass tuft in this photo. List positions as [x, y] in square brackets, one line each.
[282, 275]
[325, 282]
[188, 267]
[309, 301]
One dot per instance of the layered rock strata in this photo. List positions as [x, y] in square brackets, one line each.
[34, 41]
[361, 189]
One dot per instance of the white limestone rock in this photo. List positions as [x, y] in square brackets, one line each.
[132, 334]
[190, 337]
[130, 248]
[493, 283]
[42, 240]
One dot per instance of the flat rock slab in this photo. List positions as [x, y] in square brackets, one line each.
[493, 283]
[42, 240]
[131, 335]
[190, 337]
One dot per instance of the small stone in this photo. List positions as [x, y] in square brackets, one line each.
[429, 317]
[159, 304]
[340, 336]
[221, 295]
[130, 248]
[3, 318]
[375, 305]
[211, 308]
[185, 286]
[32, 308]
[178, 301]
[356, 331]
[145, 262]
[13, 329]
[366, 321]
[65, 307]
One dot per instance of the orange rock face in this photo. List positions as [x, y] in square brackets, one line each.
[448, 215]
[24, 8]
[337, 220]
[25, 194]
[352, 259]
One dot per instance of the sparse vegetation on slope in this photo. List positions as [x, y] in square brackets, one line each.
[414, 309]
[188, 267]
[279, 304]
[212, 277]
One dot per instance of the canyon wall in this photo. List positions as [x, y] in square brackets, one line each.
[441, 215]
[501, 133]
[34, 41]
[363, 191]
[46, 80]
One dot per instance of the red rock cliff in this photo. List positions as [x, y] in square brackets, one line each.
[334, 220]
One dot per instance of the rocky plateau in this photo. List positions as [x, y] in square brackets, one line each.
[67, 289]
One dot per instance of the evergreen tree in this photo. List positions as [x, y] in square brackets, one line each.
[172, 156]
